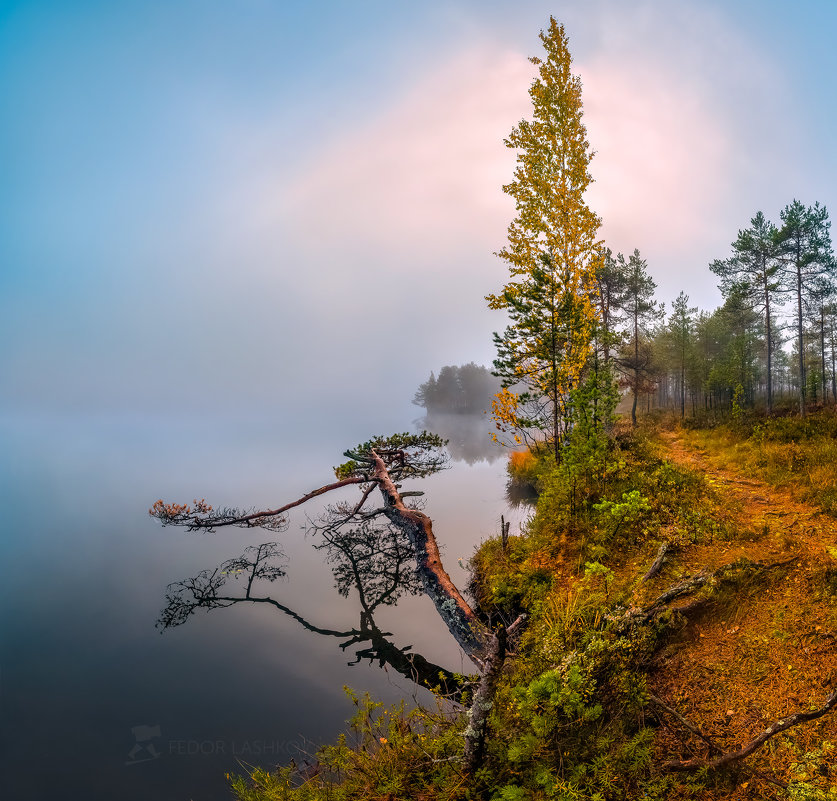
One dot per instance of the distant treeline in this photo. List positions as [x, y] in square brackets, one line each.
[772, 342]
[465, 389]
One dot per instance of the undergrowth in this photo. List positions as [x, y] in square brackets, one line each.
[796, 453]
[572, 718]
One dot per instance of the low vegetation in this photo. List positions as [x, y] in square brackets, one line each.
[795, 453]
[669, 626]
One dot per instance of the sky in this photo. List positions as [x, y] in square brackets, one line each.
[255, 207]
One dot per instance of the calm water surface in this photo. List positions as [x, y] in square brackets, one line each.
[95, 703]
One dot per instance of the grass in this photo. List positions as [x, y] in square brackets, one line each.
[798, 454]
[571, 718]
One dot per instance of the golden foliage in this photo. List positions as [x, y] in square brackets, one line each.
[504, 411]
[521, 462]
[553, 248]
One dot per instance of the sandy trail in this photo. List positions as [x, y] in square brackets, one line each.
[771, 648]
[793, 526]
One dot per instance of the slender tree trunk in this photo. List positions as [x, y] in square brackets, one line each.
[833, 365]
[556, 438]
[682, 384]
[769, 339]
[800, 339]
[554, 357]
[596, 391]
[606, 332]
[636, 370]
[824, 378]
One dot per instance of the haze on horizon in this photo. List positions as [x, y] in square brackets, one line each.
[286, 208]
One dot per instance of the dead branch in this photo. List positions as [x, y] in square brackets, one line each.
[734, 756]
[712, 745]
[725, 573]
[202, 516]
[685, 723]
[658, 562]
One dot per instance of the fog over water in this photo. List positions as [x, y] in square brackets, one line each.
[85, 675]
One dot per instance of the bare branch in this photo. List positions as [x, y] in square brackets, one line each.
[202, 516]
[297, 617]
[725, 573]
[658, 562]
[734, 756]
[713, 746]
[685, 723]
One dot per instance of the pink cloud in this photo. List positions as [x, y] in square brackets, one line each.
[428, 171]
[421, 182]
[661, 155]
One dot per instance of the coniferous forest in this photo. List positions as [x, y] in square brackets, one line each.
[771, 345]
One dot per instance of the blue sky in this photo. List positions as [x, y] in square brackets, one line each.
[229, 207]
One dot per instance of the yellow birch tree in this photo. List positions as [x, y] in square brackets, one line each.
[553, 253]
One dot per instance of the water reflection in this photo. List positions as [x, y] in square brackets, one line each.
[469, 440]
[520, 492]
[468, 435]
[373, 561]
[250, 681]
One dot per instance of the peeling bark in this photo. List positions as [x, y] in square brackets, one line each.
[482, 703]
[484, 696]
[474, 637]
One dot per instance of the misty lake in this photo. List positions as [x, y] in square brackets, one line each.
[95, 703]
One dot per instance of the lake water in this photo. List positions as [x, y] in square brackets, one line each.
[95, 703]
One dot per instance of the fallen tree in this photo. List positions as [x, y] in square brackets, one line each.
[377, 571]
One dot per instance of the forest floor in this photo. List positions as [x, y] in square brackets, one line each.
[769, 648]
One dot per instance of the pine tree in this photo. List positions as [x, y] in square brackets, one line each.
[821, 298]
[805, 248]
[753, 270]
[831, 328]
[681, 326]
[738, 331]
[611, 293]
[426, 393]
[640, 310]
[552, 254]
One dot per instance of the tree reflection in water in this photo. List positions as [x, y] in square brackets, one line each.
[373, 561]
[469, 440]
[468, 436]
[368, 549]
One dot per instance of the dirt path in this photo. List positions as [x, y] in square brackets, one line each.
[769, 649]
[788, 524]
